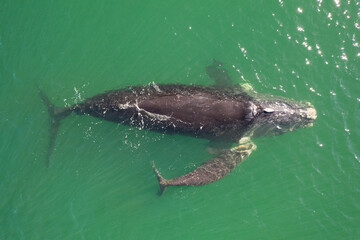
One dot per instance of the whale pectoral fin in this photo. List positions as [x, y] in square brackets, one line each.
[220, 75]
[222, 79]
[218, 146]
[211, 170]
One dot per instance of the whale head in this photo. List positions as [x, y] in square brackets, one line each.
[276, 115]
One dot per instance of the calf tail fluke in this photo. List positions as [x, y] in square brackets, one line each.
[161, 180]
[56, 115]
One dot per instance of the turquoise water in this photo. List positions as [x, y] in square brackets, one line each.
[100, 184]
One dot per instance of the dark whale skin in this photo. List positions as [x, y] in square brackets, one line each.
[199, 111]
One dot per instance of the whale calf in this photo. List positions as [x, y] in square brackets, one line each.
[224, 112]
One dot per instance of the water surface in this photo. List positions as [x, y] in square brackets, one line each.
[100, 184]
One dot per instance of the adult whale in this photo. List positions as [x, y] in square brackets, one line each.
[224, 112]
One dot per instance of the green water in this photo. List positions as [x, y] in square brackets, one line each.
[100, 184]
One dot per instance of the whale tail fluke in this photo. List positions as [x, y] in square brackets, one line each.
[162, 181]
[56, 115]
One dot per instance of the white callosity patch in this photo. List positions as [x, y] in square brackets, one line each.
[253, 112]
[269, 110]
